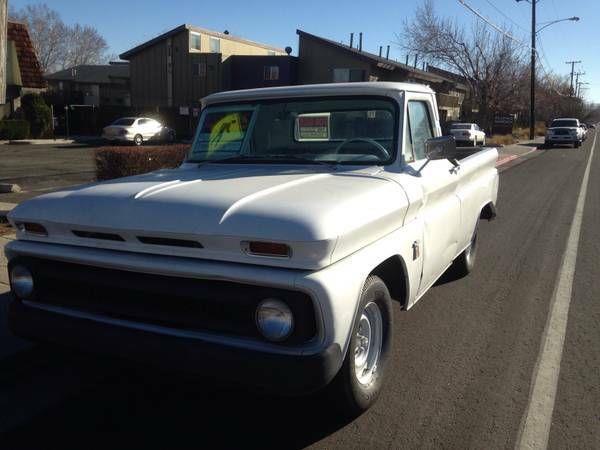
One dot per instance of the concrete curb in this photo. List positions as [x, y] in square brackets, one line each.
[510, 158]
[8, 188]
[5, 208]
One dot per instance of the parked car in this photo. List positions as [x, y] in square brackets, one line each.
[564, 131]
[584, 130]
[272, 255]
[137, 130]
[468, 133]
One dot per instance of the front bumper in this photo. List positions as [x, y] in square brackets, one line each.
[281, 373]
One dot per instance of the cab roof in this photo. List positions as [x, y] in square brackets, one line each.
[316, 90]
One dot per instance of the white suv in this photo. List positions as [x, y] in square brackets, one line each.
[564, 131]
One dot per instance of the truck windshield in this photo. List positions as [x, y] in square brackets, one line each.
[563, 123]
[359, 130]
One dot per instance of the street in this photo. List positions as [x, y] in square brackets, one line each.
[464, 356]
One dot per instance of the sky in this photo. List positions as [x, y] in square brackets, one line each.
[125, 24]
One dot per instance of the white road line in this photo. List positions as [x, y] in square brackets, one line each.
[535, 426]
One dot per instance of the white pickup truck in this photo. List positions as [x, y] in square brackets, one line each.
[272, 255]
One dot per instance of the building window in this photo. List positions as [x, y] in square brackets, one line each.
[215, 45]
[271, 73]
[195, 41]
[199, 69]
[346, 75]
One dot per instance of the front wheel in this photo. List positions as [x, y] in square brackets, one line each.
[138, 140]
[483, 142]
[576, 144]
[360, 379]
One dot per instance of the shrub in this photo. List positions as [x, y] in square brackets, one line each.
[117, 162]
[38, 114]
[500, 139]
[14, 129]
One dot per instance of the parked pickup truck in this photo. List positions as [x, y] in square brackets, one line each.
[272, 255]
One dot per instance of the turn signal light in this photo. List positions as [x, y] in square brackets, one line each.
[32, 228]
[267, 249]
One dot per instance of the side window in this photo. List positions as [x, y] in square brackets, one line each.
[142, 121]
[419, 125]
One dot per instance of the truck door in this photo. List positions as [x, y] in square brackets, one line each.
[438, 180]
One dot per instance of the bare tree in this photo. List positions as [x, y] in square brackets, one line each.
[84, 45]
[490, 62]
[57, 45]
[47, 32]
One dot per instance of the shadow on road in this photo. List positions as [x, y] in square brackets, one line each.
[137, 408]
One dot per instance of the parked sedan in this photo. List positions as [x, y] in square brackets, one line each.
[467, 133]
[137, 130]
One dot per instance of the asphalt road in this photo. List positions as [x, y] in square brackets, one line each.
[464, 356]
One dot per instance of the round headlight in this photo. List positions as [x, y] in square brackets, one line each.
[274, 319]
[21, 281]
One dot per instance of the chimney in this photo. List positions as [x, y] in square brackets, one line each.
[380, 50]
[387, 52]
[351, 39]
[360, 41]
[416, 58]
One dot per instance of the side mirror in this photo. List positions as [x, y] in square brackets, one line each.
[443, 147]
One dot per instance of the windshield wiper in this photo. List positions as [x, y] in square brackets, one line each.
[266, 159]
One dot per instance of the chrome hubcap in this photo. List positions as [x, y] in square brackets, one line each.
[368, 344]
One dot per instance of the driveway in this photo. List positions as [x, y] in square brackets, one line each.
[42, 168]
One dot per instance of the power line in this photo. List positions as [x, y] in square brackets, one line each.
[490, 23]
[510, 36]
[504, 15]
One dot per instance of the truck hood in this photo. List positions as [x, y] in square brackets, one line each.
[323, 214]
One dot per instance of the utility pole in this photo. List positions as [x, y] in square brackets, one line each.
[532, 87]
[577, 83]
[572, 73]
[532, 80]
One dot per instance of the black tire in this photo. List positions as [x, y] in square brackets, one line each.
[576, 144]
[352, 397]
[171, 136]
[138, 140]
[465, 262]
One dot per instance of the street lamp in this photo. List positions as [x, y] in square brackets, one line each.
[534, 33]
[552, 22]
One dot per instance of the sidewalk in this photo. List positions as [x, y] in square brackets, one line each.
[512, 152]
[56, 141]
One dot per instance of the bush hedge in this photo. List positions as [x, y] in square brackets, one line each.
[117, 162]
[38, 114]
[14, 129]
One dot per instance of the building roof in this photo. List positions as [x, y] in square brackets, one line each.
[185, 27]
[29, 66]
[386, 88]
[95, 74]
[381, 62]
[462, 81]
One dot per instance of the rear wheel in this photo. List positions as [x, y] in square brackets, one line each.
[360, 379]
[138, 139]
[483, 142]
[465, 262]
